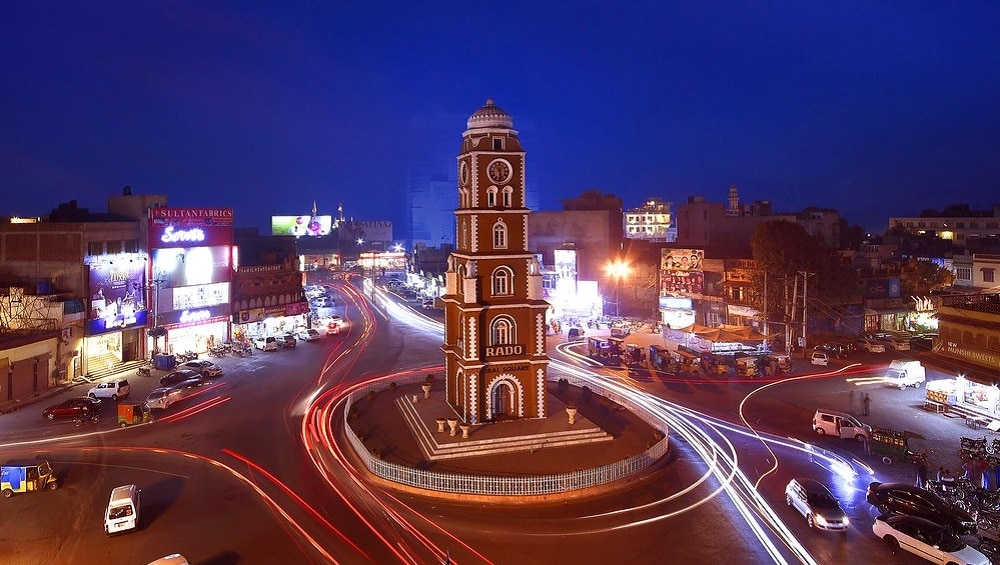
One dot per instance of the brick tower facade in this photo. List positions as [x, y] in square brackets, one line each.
[494, 338]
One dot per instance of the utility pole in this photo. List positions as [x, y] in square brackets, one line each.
[805, 305]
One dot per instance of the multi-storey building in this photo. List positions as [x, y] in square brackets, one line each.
[967, 228]
[652, 221]
[494, 340]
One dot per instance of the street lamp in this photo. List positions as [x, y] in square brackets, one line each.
[617, 269]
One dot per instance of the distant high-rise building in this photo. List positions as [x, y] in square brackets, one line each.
[430, 204]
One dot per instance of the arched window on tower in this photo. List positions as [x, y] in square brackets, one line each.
[491, 197]
[500, 235]
[508, 196]
[503, 281]
[502, 331]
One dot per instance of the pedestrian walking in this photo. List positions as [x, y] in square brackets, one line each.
[921, 463]
[982, 468]
[867, 402]
[967, 467]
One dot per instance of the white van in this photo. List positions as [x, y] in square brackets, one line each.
[839, 424]
[123, 510]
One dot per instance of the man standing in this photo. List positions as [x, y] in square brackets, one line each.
[867, 401]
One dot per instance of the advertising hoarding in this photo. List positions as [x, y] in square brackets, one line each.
[177, 267]
[374, 230]
[301, 225]
[681, 272]
[882, 288]
[190, 227]
[116, 295]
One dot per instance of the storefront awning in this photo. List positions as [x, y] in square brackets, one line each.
[725, 333]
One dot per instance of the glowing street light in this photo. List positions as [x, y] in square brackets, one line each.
[617, 269]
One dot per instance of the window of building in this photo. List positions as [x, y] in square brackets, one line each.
[502, 281]
[508, 197]
[131, 246]
[114, 247]
[95, 248]
[498, 144]
[500, 235]
[491, 196]
[502, 332]
[963, 273]
[988, 275]
[960, 224]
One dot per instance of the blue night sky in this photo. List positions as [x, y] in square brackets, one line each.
[874, 108]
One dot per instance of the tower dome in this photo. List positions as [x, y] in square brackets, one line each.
[490, 116]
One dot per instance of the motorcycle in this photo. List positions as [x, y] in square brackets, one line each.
[972, 448]
[143, 371]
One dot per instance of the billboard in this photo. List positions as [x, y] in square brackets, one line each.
[681, 272]
[116, 295]
[375, 230]
[177, 267]
[190, 227]
[301, 225]
[882, 288]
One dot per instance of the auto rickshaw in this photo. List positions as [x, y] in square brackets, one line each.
[129, 414]
[747, 367]
[27, 478]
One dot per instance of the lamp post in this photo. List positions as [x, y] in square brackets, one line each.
[618, 269]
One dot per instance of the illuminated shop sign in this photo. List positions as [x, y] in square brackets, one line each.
[171, 235]
[192, 316]
[117, 323]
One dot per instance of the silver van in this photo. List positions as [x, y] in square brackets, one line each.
[839, 424]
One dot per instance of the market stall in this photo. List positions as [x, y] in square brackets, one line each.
[963, 395]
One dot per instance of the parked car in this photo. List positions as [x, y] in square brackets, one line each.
[816, 504]
[896, 343]
[309, 334]
[179, 376]
[77, 407]
[839, 424]
[872, 346]
[925, 539]
[203, 367]
[427, 304]
[286, 340]
[118, 388]
[266, 343]
[819, 358]
[833, 349]
[904, 498]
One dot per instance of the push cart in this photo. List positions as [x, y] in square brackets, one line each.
[890, 445]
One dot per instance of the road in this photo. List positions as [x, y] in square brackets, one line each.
[240, 474]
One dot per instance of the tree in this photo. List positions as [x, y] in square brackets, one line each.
[784, 251]
[920, 277]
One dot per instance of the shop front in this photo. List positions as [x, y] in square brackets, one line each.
[964, 395]
[117, 311]
[272, 320]
[197, 337]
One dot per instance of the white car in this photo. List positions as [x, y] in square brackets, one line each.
[896, 343]
[266, 343]
[924, 538]
[816, 504]
[309, 335]
[819, 358]
[872, 346]
[206, 368]
[114, 390]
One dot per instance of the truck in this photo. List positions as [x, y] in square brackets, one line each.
[902, 374]
[26, 478]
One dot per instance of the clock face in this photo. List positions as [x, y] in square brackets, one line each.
[463, 174]
[499, 171]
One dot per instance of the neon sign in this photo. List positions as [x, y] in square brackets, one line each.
[189, 316]
[171, 236]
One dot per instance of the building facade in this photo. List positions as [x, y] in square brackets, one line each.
[494, 341]
[652, 221]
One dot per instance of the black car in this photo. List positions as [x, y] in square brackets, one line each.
[179, 376]
[73, 408]
[903, 498]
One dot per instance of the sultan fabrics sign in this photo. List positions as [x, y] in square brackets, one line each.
[190, 227]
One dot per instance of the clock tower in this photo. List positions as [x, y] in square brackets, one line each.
[494, 337]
